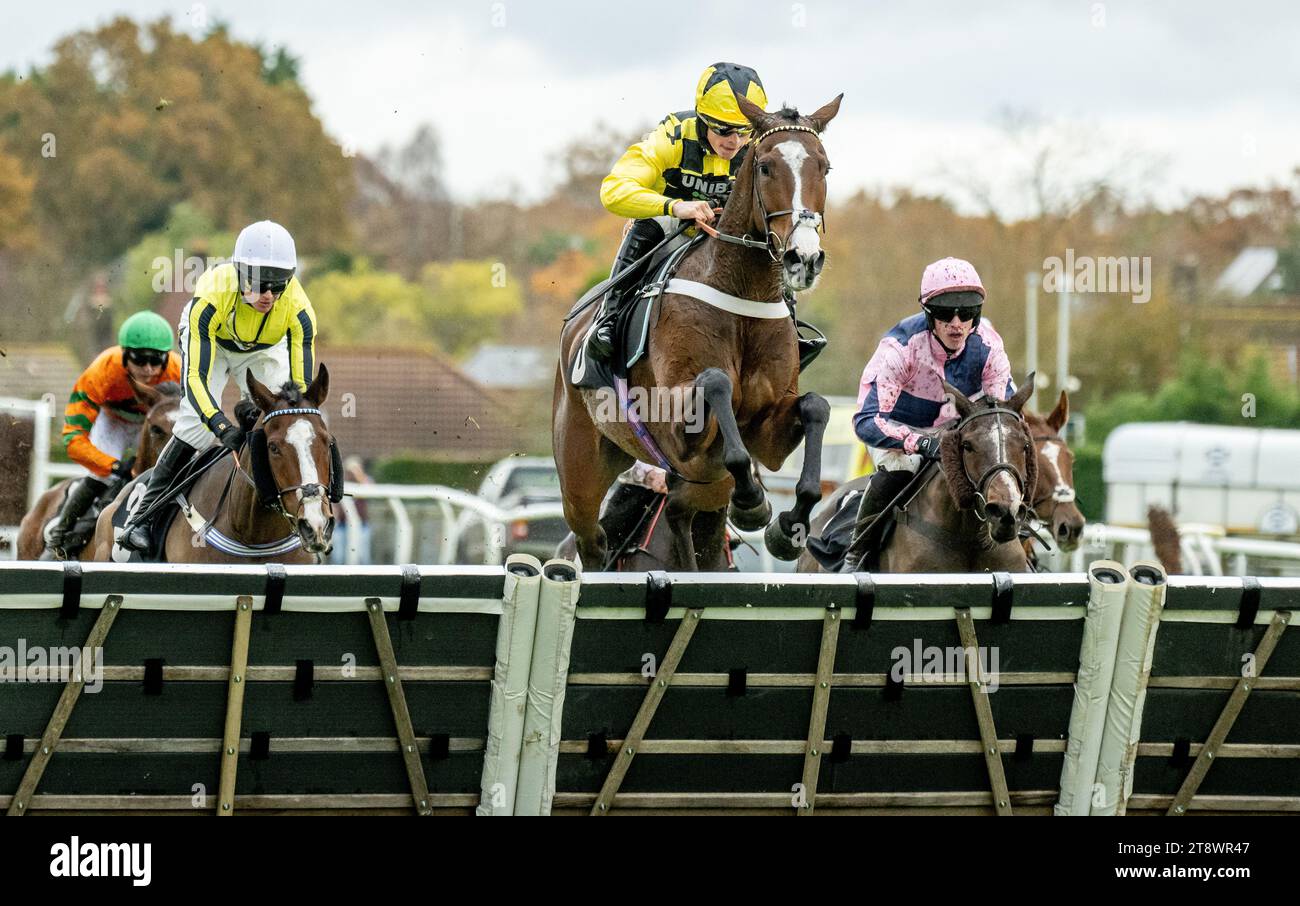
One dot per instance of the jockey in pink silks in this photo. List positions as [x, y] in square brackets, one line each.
[902, 385]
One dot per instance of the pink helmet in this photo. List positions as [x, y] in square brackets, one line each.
[949, 275]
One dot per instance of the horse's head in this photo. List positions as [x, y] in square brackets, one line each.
[787, 177]
[1053, 497]
[161, 403]
[293, 458]
[989, 460]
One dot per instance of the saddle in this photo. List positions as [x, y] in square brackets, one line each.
[161, 523]
[632, 327]
[832, 547]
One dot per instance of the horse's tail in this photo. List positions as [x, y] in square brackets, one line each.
[1164, 538]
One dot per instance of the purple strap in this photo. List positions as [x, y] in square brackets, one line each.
[639, 428]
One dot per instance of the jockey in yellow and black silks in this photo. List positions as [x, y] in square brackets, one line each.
[249, 316]
[682, 170]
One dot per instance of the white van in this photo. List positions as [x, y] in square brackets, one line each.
[1244, 479]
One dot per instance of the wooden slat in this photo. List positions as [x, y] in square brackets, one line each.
[983, 713]
[654, 695]
[63, 709]
[260, 801]
[796, 747]
[1221, 803]
[814, 746]
[826, 800]
[1281, 683]
[1042, 678]
[397, 701]
[1240, 692]
[1227, 750]
[234, 706]
[202, 746]
[273, 673]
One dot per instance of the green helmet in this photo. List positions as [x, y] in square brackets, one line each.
[145, 330]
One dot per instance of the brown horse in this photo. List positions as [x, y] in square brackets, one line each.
[161, 403]
[967, 515]
[742, 368]
[288, 507]
[1053, 502]
[639, 539]
[1052, 499]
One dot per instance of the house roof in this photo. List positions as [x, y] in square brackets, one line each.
[30, 372]
[1254, 268]
[511, 367]
[384, 401]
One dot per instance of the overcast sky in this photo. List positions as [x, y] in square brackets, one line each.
[1179, 98]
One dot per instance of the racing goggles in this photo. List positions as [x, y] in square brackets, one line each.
[943, 313]
[723, 130]
[147, 357]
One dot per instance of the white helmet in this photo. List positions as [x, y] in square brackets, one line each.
[265, 257]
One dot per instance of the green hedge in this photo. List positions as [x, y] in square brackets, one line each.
[1089, 487]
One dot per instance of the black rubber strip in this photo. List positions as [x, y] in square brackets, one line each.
[13, 747]
[259, 748]
[1003, 589]
[1024, 746]
[304, 679]
[865, 601]
[439, 746]
[736, 681]
[597, 745]
[841, 748]
[1249, 609]
[71, 590]
[409, 603]
[274, 588]
[153, 677]
[658, 595]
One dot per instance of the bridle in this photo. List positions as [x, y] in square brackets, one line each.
[773, 244]
[981, 500]
[1060, 494]
[310, 490]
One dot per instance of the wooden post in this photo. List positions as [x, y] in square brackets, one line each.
[63, 710]
[397, 701]
[234, 706]
[646, 713]
[983, 713]
[812, 758]
[1236, 701]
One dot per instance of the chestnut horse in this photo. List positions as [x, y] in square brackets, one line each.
[730, 344]
[294, 512]
[161, 403]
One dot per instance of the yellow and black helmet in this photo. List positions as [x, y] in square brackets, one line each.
[715, 95]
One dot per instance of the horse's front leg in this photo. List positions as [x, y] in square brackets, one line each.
[794, 418]
[750, 509]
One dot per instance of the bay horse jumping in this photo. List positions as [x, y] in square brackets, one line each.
[161, 403]
[269, 504]
[722, 336]
[968, 514]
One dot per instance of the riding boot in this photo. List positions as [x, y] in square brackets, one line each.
[135, 536]
[81, 494]
[640, 239]
[881, 490]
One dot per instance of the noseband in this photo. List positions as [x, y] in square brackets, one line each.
[771, 242]
[273, 495]
[981, 500]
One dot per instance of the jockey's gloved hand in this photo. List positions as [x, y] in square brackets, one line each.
[230, 436]
[928, 447]
[121, 469]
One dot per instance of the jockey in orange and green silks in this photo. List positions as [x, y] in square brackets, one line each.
[102, 420]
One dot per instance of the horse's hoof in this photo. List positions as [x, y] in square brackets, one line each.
[751, 520]
[783, 545]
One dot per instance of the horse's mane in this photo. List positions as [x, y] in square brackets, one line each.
[787, 113]
[290, 393]
[168, 388]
